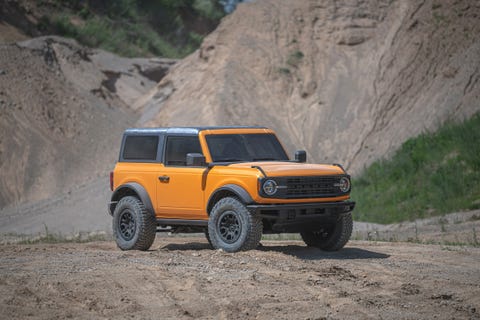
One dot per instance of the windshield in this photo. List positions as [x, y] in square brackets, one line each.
[245, 147]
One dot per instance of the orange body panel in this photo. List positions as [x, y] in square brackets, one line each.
[182, 197]
[146, 174]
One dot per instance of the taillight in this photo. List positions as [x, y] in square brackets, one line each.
[111, 180]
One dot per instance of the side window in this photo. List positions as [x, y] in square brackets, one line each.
[140, 148]
[178, 147]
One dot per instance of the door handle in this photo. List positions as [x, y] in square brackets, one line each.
[164, 178]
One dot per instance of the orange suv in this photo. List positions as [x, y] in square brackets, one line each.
[232, 183]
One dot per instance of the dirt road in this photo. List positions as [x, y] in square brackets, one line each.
[183, 278]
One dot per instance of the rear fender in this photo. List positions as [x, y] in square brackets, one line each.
[131, 189]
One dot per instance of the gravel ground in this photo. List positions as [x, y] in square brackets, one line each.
[182, 278]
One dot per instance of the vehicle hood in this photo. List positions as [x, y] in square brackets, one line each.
[288, 169]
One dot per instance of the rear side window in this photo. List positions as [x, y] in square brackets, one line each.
[178, 147]
[140, 148]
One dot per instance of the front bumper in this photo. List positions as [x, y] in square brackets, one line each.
[301, 216]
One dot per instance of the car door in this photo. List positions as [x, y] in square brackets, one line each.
[180, 194]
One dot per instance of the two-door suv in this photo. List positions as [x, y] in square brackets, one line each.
[232, 183]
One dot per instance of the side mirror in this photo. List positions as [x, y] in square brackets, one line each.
[195, 160]
[301, 156]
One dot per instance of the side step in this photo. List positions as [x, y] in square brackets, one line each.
[181, 222]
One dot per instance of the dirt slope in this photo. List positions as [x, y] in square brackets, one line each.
[63, 108]
[347, 80]
[184, 279]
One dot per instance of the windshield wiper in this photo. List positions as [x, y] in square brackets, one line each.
[229, 160]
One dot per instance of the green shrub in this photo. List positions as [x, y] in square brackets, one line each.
[134, 28]
[64, 27]
[284, 70]
[295, 58]
[432, 174]
[208, 9]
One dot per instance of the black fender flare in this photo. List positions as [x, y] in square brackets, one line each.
[238, 191]
[131, 189]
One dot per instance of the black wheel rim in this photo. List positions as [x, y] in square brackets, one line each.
[229, 228]
[127, 225]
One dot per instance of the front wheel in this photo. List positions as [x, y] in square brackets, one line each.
[332, 237]
[133, 226]
[232, 227]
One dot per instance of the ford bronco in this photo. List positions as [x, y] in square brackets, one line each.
[232, 183]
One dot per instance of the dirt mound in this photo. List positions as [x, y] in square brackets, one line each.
[349, 82]
[62, 112]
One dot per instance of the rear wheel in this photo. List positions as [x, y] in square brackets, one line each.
[133, 226]
[331, 237]
[232, 227]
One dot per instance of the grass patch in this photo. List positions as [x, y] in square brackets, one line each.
[430, 175]
[52, 238]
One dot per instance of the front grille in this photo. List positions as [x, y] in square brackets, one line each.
[307, 187]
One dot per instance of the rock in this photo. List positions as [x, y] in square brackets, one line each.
[352, 39]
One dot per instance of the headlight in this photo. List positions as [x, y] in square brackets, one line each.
[270, 187]
[344, 184]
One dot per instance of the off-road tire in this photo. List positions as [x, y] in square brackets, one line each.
[134, 228]
[232, 227]
[333, 237]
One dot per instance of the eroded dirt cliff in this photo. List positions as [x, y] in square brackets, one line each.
[63, 108]
[349, 81]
